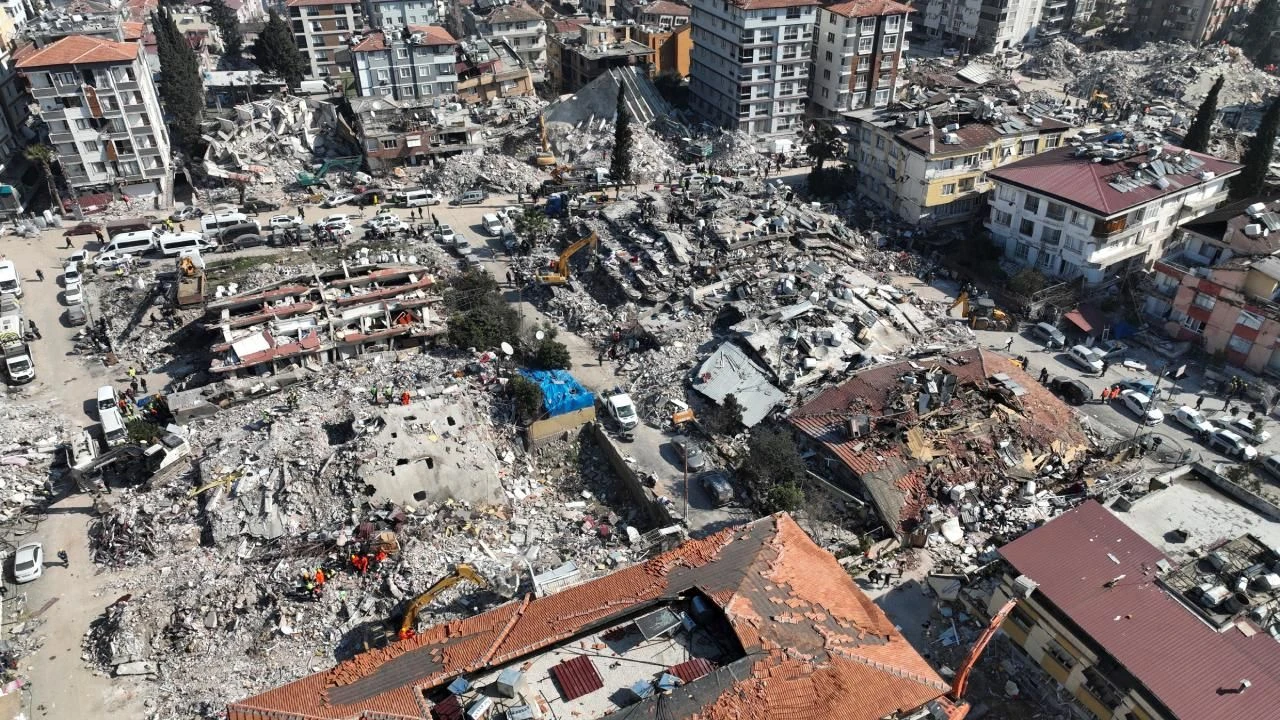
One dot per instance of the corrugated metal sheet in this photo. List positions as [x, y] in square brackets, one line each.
[691, 670]
[1189, 667]
[577, 677]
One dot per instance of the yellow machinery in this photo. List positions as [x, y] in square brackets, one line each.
[1100, 100]
[561, 275]
[544, 157]
[981, 314]
[187, 267]
[461, 572]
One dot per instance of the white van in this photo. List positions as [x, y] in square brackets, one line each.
[106, 400]
[419, 198]
[10, 281]
[212, 224]
[172, 244]
[132, 243]
[113, 432]
[492, 224]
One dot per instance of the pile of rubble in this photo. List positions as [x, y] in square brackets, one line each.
[463, 172]
[32, 437]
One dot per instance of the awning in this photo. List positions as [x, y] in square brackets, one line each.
[1089, 318]
[1075, 318]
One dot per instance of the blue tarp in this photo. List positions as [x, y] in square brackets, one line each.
[560, 392]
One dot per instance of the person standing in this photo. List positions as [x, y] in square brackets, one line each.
[66, 561]
[1199, 401]
[1008, 344]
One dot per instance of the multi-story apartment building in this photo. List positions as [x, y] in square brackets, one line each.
[1194, 21]
[671, 46]
[392, 133]
[520, 25]
[414, 63]
[933, 172]
[858, 54]
[600, 10]
[1100, 211]
[587, 54]
[977, 26]
[321, 28]
[1219, 285]
[103, 115]
[397, 14]
[749, 69]
[663, 14]
[489, 70]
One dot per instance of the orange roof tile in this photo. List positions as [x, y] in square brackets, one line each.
[133, 30]
[869, 8]
[80, 50]
[434, 35]
[817, 647]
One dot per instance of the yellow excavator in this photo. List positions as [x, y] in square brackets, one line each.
[460, 572]
[544, 157]
[982, 314]
[561, 275]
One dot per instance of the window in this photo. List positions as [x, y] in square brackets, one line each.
[892, 23]
[130, 168]
[341, 23]
[65, 78]
[1056, 211]
[71, 102]
[1027, 228]
[389, 144]
[966, 184]
[1031, 204]
[949, 189]
[860, 82]
[865, 44]
[868, 25]
[98, 167]
[405, 72]
[322, 55]
[402, 53]
[1021, 250]
[1249, 320]
[124, 147]
[1052, 141]
[882, 98]
[1055, 650]
[985, 156]
[1028, 147]
[890, 43]
[1239, 344]
[316, 26]
[826, 75]
[831, 38]
[82, 124]
[383, 76]
[1079, 219]
[1007, 193]
[1192, 324]
[1050, 236]
[1074, 245]
[1204, 301]
[793, 13]
[1001, 217]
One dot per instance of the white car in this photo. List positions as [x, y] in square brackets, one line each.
[28, 562]
[337, 199]
[334, 219]
[1142, 406]
[1088, 359]
[111, 259]
[73, 295]
[445, 234]
[283, 222]
[1231, 444]
[1194, 420]
[1247, 429]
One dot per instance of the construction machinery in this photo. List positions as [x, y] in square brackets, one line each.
[1099, 100]
[544, 157]
[349, 164]
[460, 572]
[561, 275]
[981, 313]
[1023, 586]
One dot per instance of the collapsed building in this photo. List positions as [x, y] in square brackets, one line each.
[397, 133]
[940, 445]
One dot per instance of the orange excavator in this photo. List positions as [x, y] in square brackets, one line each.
[1023, 586]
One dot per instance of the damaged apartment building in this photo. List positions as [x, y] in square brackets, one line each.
[941, 444]
[392, 133]
[329, 317]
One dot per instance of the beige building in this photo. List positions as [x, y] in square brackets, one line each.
[859, 54]
[321, 29]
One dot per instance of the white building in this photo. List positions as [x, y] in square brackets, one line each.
[417, 67]
[520, 25]
[977, 26]
[1098, 211]
[322, 29]
[750, 64]
[858, 54]
[103, 115]
[396, 14]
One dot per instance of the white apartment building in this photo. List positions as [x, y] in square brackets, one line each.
[520, 25]
[1098, 211]
[103, 115]
[858, 54]
[397, 14]
[419, 67]
[322, 29]
[977, 26]
[749, 68]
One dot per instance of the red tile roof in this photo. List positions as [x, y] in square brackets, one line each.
[1084, 183]
[664, 7]
[80, 50]
[133, 30]
[1190, 668]
[435, 35]
[869, 8]
[577, 677]
[773, 4]
[816, 646]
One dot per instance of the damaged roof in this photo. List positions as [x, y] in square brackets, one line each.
[982, 409]
[1190, 668]
[815, 645]
[80, 50]
[869, 8]
[730, 372]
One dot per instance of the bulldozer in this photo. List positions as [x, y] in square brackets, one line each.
[561, 275]
[981, 313]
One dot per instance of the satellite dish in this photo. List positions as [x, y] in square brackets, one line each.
[539, 334]
[507, 349]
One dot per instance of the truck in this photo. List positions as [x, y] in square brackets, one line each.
[17, 356]
[619, 406]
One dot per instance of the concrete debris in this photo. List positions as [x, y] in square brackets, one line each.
[496, 172]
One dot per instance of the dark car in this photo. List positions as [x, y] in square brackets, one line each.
[691, 456]
[76, 315]
[717, 487]
[249, 240]
[229, 238]
[1071, 390]
[367, 197]
[253, 206]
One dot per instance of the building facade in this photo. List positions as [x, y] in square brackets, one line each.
[98, 101]
[396, 14]
[1194, 21]
[394, 134]
[322, 29]
[662, 14]
[935, 174]
[670, 46]
[1100, 213]
[578, 58]
[978, 26]
[520, 25]
[414, 63]
[749, 69]
[489, 70]
[858, 54]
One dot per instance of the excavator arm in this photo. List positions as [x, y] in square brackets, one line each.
[460, 572]
[561, 275]
[962, 677]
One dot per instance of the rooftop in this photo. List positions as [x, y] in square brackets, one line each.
[664, 7]
[773, 4]
[796, 639]
[1227, 224]
[1102, 575]
[869, 8]
[79, 50]
[515, 12]
[1124, 178]
[300, 3]
[430, 35]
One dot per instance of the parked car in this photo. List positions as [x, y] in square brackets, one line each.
[253, 206]
[111, 259]
[190, 212]
[73, 295]
[28, 562]
[1086, 358]
[689, 452]
[470, 197]
[1248, 429]
[718, 488]
[1271, 464]
[337, 199]
[1111, 349]
[1146, 387]
[1231, 445]
[1194, 420]
[284, 222]
[444, 234]
[1071, 389]
[76, 315]
[1141, 405]
[1051, 336]
[334, 220]
[249, 240]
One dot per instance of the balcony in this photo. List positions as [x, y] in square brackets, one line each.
[60, 138]
[41, 93]
[126, 85]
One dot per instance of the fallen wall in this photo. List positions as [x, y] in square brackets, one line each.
[543, 431]
[659, 514]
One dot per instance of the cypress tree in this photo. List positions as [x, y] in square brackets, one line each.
[1253, 178]
[620, 162]
[181, 87]
[276, 52]
[1198, 134]
[228, 26]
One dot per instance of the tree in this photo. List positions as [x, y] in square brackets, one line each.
[480, 318]
[43, 156]
[620, 161]
[823, 143]
[774, 471]
[533, 225]
[181, 86]
[1261, 23]
[1028, 281]
[1257, 158]
[276, 52]
[1198, 134]
[527, 397]
[550, 354]
[228, 26]
[727, 418]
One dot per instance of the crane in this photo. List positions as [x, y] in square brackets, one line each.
[1023, 587]
[460, 572]
[561, 275]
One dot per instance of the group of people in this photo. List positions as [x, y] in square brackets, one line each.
[385, 396]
